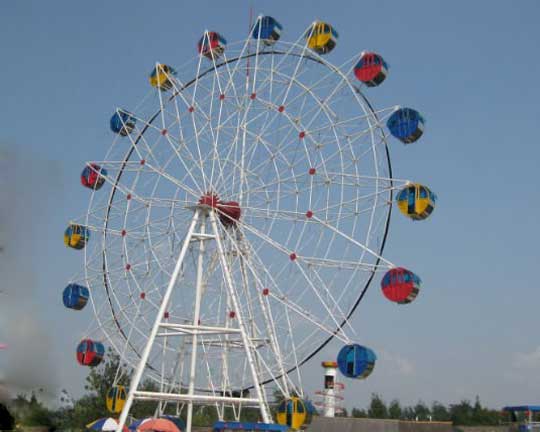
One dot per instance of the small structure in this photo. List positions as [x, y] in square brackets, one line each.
[526, 417]
[331, 395]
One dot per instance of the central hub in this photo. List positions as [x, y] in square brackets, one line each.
[229, 211]
[209, 199]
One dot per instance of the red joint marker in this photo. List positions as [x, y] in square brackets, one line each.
[253, 96]
[281, 108]
[265, 291]
[143, 296]
[292, 256]
[301, 135]
[312, 171]
[309, 214]
[128, 267]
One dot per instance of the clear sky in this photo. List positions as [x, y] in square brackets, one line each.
[469, 67]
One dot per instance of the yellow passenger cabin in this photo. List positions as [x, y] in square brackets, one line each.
[76, 236]
[416, 201]
[294, 412]
[161, 77]
[321, 37]
[116, 399]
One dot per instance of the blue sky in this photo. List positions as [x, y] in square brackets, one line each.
[469, 67]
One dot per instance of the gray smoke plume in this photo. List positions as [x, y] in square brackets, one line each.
[25, 184]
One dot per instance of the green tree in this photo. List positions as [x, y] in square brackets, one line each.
[461, 414]
[421, 411]
[31, 412]
[407, 413]
[439, 412]
[377, 407]
[394, 410]
[359, 413]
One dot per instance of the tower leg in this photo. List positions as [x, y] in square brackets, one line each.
[136, 379]
[265, 414]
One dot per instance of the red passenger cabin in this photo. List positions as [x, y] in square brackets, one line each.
[400, 285]
[371, 69]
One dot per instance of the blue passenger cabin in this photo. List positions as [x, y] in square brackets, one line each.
[122, 122]
[267, 29]
[356, 361]
[75, 296]
[406, 124]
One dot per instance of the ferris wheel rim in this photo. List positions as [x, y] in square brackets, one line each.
[152, 118]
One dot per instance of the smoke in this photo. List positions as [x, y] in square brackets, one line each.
[25, 184]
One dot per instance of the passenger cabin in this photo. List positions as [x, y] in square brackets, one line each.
[400, 285]
[371, 69]
[294, 413]
[416, 201]
[90, 353]
[211, 45]
[321, 37]
[75, 296]
[122, 122]
[93, 176]
[76, 236]
[406, 124]
[116, 399]
[267, 29]
[161, 77]
[356, 361]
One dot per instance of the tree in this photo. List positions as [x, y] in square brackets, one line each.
[31, 412]
[344, 413]
[394, 410]
[421, 411]
[377, 407]
[461, 414]
[407, 413]
[439, 412]
[359, 413]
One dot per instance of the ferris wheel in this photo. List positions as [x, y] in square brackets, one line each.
[238, 219]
